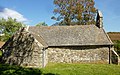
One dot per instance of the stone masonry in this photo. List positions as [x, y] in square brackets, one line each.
[78, 54]
[23, 50]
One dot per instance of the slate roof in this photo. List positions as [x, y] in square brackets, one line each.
[70, 35]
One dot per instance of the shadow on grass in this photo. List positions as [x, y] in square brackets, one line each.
[16, 70]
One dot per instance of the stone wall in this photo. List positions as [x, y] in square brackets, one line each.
[114, 57]
[22, 49]
[78, 54]
[36, 57]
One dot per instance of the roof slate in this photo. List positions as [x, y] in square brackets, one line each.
[71, 35]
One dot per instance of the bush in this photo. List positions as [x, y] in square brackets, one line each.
[0, 53]
[117, 46]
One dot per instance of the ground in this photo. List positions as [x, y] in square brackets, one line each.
[62, 69]
[114, 35]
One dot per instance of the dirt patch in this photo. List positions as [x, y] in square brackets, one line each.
[114, 36]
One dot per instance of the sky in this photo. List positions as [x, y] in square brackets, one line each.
[32, 12]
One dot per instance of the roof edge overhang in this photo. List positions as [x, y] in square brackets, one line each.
[108, 37]
[107, 45]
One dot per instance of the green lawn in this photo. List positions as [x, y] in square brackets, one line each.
[62, 69]
[16, 70]
[82, 69]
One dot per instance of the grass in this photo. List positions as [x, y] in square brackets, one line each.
[62, 69]
[16, 70]
[81, 69]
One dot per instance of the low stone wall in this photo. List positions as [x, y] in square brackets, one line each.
[114, 57]
[119, 61]
[78, 54]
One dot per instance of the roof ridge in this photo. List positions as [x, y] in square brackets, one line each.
[64, 26]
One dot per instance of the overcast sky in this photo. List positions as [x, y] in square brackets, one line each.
[32, 12]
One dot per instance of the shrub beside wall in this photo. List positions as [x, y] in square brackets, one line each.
[117, 46]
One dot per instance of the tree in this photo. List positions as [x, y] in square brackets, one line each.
[42, 24]
[8, 28]
[71, 12]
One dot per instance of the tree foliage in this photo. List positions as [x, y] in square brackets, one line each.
[8, 27]
[71, 12]
[42, 24]
[117, 46]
